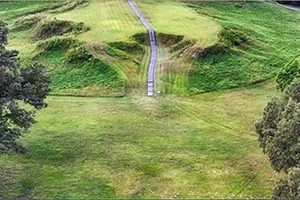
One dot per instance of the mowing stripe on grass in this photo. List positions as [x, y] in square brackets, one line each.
[151, 68]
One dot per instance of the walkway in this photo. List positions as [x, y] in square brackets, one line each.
[151, 32]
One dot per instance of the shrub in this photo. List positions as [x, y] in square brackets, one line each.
[80, 54]
[169, 39]
[131, 47]
[288, 74]
[216, 49]
[27, 22]
[182, 45]
[56, 27]
[57, 43]
[111, 51]
[142, 38]
[233, 38]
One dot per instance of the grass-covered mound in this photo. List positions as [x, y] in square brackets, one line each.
[142, 38]
[58, 43]
[169, 39]
[27, 22]
[48, 29]
[130, 47]
[74, 70]
[258, 38]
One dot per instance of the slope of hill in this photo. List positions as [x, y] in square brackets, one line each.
[218, 45]
[176, 145]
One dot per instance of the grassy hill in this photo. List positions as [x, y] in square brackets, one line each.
[196, 140]
[222, 45]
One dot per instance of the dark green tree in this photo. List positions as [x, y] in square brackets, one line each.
[18, 86]
[288, 186]
[279, 137]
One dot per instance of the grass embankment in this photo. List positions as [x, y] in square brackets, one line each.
[109, 75]
[218, 60]
[272, 33]
[200, 147]
[182, 68]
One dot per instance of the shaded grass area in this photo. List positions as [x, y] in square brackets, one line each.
[138, 147]
[273, 42]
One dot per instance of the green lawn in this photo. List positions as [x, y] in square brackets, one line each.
[273, 37]
[109, 21]
[201, 146]
[138, 147]
[175, 18]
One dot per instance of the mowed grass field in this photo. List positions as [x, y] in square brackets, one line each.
[201, 146]
[173, 17]
[139, 147]
[110, 21]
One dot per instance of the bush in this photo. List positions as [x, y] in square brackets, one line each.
[288, 186]
[233, 38]
[80, 54]
[142, 38]
[183, 45]
[27, 22]
[57, 43]
[113, 52]
[49, 29]
[216, 49]
[288, 74]
[169, 39]
[131, 47]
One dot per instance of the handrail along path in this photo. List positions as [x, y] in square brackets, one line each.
[153, 48]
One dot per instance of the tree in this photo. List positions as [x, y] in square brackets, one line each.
[279, 137]
[18, 86]
[289, 186]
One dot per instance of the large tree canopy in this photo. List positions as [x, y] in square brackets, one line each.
[289, 186]
[28, 85]
[279, 136]
[279, 130]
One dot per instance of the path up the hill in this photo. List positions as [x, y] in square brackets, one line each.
[151, 32]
